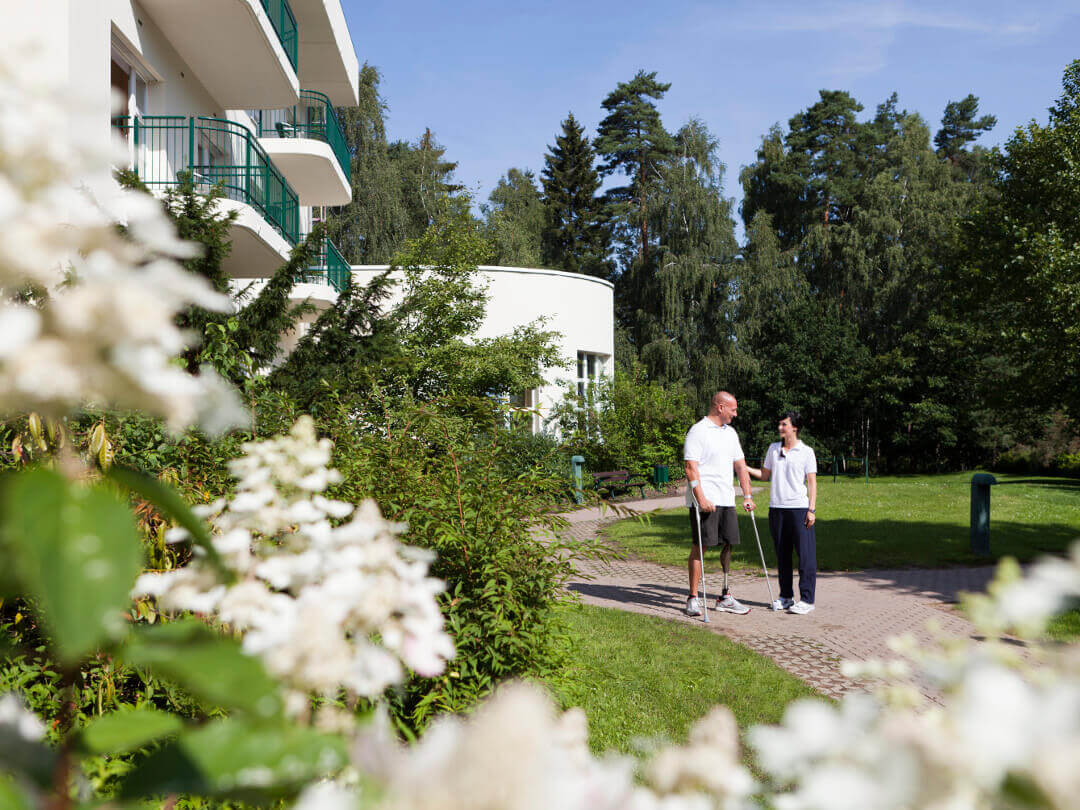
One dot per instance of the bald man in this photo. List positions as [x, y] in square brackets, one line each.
[713, 457]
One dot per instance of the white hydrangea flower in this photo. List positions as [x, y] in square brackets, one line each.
[19, 721]
[86, 313]
[311, 597]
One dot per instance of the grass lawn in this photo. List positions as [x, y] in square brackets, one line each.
[1065, 627]
[892, 522]
[644, 678]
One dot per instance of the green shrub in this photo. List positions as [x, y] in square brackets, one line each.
[457, 489]
[626, 422]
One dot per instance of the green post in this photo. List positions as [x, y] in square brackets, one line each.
[576, 463]
[866, 468]
[835, 469]
[191, 147]
[660, 475]
[980, 513]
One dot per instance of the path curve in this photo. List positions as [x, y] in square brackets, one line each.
[857, 612]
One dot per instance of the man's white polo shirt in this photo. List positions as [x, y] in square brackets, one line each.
[789, 471]
[715, 449]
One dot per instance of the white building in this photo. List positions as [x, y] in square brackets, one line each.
[240, 92]
[579, 307]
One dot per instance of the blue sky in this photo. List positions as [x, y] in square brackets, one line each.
[494, 80]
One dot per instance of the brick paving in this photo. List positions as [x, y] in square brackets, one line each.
[856, 612]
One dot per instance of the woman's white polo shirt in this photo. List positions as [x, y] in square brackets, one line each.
[789, 471]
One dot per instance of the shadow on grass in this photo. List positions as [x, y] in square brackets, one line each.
[1064, 484]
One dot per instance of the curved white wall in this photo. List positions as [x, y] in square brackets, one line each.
[581, 308]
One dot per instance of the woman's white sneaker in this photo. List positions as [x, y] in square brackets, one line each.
[801, 607]
[783, 603]
[692, 608]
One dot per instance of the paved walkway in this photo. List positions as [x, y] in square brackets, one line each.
[856, 612]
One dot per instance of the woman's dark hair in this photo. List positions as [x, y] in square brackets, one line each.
[795, 417]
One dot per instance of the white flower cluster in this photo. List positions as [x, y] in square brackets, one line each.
[516, 753]
[311, 597]
[17, 723]
[87, 313]
[1006, 733]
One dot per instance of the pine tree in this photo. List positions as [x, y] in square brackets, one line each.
[959, 128]
[575, 237]
[633, 140]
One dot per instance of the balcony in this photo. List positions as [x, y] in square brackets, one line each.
[220, 152]
[307, 143]
[244, 52]
[328, 60]
[327, 267]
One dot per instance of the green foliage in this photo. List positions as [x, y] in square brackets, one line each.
[626, 422]
[468, 498]
[75, 549]
[1023, 254]
[575, 235]
[236, 758]
[514, 218]
[374, 224]
[679, 303]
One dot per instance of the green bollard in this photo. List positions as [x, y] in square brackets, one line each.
[576, 463]
[980, 513]
[660, 475]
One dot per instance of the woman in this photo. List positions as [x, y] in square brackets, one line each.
[792, 468]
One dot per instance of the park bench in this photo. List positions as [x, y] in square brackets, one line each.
[615, 481]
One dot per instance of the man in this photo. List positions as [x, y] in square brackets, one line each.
[792, 468]
[713, 455]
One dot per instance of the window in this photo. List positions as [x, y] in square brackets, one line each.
[589, 367]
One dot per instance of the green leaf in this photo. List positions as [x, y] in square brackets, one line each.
[210, 668]
[76, 554]
[11, 798]
[169, 501]
[231, 757]
[126, 730]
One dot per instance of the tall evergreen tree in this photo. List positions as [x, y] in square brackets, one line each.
[959, 129]
[514, 217]
[631, 139]
[575, 235]
[374, 225]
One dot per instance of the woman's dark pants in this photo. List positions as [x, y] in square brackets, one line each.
[789, 533]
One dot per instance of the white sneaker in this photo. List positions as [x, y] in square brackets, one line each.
[692, 608]
[783, 603]
[729, 604]
[801, 607]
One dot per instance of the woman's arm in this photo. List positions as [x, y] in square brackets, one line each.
[811, 491]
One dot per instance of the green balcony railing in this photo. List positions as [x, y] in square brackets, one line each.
[328, 266]
[313, 117]
[281, 17]
[215, 151]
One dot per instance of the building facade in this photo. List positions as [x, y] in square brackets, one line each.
[236, 92]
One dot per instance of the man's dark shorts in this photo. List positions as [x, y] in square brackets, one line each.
[720, 524]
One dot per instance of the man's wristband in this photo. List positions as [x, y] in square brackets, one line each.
[749, 497]
[694, 484]
[812, 510]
